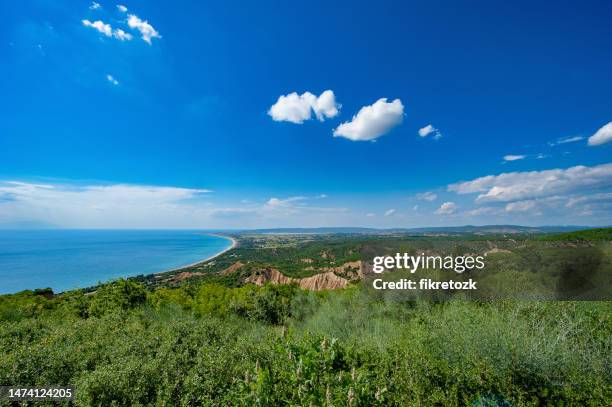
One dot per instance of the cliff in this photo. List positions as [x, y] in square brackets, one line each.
[318, 282]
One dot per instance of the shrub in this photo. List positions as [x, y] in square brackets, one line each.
[119, 295]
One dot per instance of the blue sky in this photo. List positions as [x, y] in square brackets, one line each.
[161, 114]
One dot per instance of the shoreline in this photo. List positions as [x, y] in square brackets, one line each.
[206, 260]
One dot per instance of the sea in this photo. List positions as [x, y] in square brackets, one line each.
[70, 259]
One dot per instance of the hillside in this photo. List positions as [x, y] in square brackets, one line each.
[484, 229]
[599, 234]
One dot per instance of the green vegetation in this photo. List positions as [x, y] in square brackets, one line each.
[214, 345]
[604, 234]
[213, 340]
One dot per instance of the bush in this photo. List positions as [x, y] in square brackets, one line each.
[223, 346]
[116, 296]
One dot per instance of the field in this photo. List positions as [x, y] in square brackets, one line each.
[205, 336]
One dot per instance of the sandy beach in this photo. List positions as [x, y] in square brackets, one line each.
[234, 244]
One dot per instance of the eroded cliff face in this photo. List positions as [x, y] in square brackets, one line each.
[323, 281]
[318, 282]
[270, 275]
[234, 267]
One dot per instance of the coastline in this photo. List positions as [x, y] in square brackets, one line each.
[206, 260]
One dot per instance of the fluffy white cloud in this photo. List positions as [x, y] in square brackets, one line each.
[292, 108]
[427, 196]
[372, 121]
[296, 108]
[112, 80]
[511, 157]
[94, 6]
[122, 8]
[122, 35]
[515, 186]
[427, 130]
[146, 30]
[100, 26]
[430, 129]
[602, 136]
[107, 30]
[447, 208]
[390, 212]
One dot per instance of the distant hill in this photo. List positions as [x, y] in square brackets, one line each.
[498, 229]
[314, 230]
[582, 235]
[486, 229]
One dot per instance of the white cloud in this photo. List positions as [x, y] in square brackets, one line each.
[293, 207]
[94, 6]
[100, 26]
[98, 206]
[122, 8]
[143, 206]
[296, 108]
[427, 130]
[325, 106]
[146, 30]
[430, 129]
[390, 212]
[602, 136]
[520, 206]
[604, 198]
[427, 196]
[511, 157]
[515, 186]
[565, 140]
[370, 215]
[277, 203]
[122, 35]
[485, 210]
[372, 121]
[447, 208]
[112, 80]
[107, 30]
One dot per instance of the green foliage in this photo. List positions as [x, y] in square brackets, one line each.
[224, 346]
[116, 296]
[213, 298]
[168, 296]
[604, 234]
[26, 304]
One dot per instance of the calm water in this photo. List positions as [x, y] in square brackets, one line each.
[67, 259]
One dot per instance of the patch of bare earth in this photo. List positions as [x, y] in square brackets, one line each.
[185, 275]
[496, 250]
[234, 267]
[318, 282]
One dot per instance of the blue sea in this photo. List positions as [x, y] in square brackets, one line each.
[68, 259]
